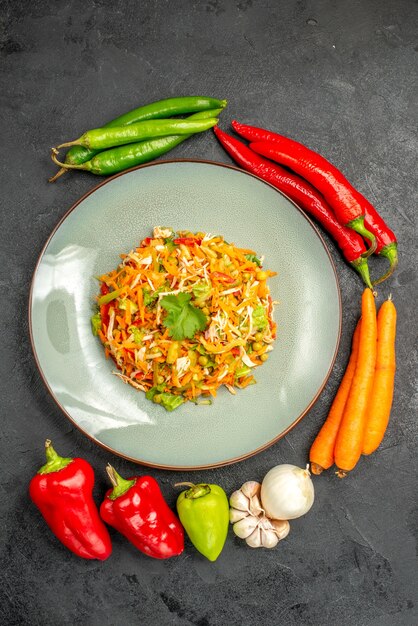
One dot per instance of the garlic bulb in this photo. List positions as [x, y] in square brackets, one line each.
[287, 492]
[249, 520]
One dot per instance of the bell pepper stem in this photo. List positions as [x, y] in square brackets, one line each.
[54, 462]
[358, 225]
[195, 491]
[120, 485]
[391, 253]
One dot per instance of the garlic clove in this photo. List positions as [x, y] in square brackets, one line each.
[255, 506]
[269, 539]
[251, 488]
[266, 523]
[281, 528]
[254, 540]
[239, 501]
[245, 527]
[235, 515]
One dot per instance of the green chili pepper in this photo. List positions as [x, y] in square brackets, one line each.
[204, 512]
[123, 157]
[156, 110]
[104, 138]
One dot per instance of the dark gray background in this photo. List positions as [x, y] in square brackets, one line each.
[339, 76]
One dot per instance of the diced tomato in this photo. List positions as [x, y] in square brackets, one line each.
[104, 314]
[187, 241]
[224, 278]
[235, 351]
[139, 375]
[146, 242]
[104, 289]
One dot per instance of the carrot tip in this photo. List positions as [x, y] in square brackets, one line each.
[341, 473]
[316, 469]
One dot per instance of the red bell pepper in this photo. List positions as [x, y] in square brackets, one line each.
[137, 509]
[62, 491]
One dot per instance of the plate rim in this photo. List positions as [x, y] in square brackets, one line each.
[160, 466]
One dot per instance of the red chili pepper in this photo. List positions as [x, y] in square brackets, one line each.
[187, 241]
[137, 509]
[301, 192]
[224, 278]
[324, 176]
[387, 244]
[62, 491]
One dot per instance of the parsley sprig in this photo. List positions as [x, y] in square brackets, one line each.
[183, 319]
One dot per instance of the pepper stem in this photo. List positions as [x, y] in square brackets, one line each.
[120, 485]
[65, 166]
[54, 462]
[60, 172]
[391, 253]
[69, 143]
[360, 265]
[358, 225]
[195, 491]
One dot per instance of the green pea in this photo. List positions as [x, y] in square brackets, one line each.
[264, 357]
[257, 346]
[205, 310]
[258, 336]
[203, 360]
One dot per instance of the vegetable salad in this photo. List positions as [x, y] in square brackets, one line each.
[185, 313]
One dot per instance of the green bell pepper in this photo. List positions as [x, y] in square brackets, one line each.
[204, 512]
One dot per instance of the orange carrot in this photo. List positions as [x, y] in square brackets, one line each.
[321, 454]
[349, 442]
[380, 403]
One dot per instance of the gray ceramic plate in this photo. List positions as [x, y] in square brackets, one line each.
[200, 196]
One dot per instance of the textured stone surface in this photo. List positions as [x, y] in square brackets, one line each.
[338, 76]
